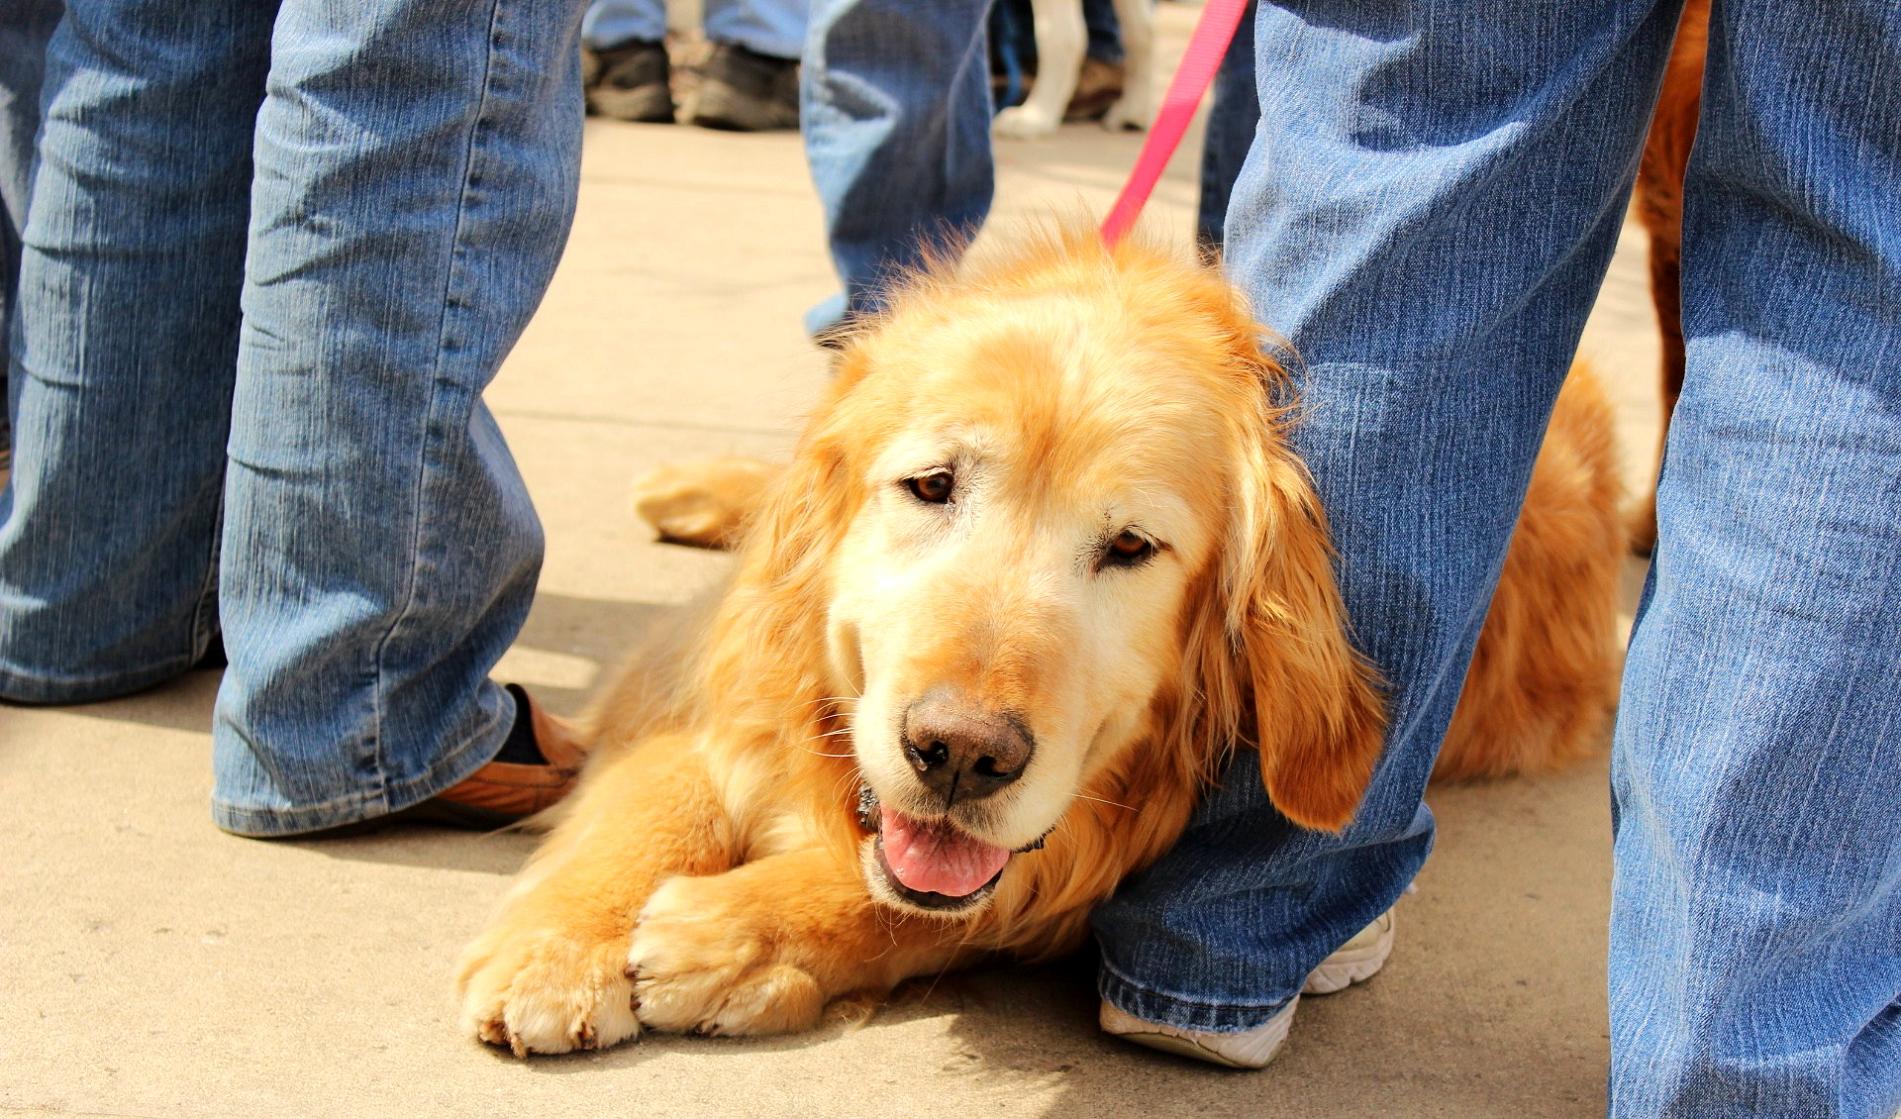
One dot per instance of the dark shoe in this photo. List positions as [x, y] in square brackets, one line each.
[630, 81]
[745, 91]
[1097, 87]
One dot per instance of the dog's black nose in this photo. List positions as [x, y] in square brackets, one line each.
[961, 752]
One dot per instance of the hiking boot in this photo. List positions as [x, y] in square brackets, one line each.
[744, 91]
[1356, 961]
[629, 81]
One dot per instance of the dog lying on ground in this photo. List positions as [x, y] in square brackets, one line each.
[1062, 43]
[1043, 553]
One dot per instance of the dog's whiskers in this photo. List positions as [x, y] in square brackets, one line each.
[1110, 803]
[824, 734]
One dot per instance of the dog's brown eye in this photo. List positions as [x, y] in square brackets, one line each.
[1128, 548]
[933, 488]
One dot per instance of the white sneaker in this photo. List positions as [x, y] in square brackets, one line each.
[1356, 961]
[1252, 1049]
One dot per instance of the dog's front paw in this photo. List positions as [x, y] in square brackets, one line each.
[1022, 122]
[703, 964]
[546, 991]
[1129, 113]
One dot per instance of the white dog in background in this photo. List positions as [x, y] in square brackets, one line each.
[1062, 41]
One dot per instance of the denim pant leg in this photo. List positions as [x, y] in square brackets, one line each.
[126, 342]
[1428, 210]
[1233, 113]
[774, 27]
[417, 165]
[896, 115]
[1756, 912]
[25, 26]
[609, 23]
[1105, 31]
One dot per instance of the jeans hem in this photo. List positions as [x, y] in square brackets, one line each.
[46, 691]
[769, 48]
[357, 807]
[1150, 1005]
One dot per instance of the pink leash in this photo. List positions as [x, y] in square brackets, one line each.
[1213, 32]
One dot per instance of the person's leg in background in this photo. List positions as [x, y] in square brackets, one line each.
[417, 166]
[125, 346]
[25, 27]
[610, 23]
[1756, 913]
[1105, 34]
[1233, 113]
[624, 67]
[896, 116]
[751, 81]
[1429, 207]
[1012, 43]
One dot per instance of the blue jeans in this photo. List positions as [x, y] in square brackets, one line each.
[895, 110]
[25, 26]
[275, 253]
[1427, 211]
[1099, 17]
[774, 27]
[1234, 112]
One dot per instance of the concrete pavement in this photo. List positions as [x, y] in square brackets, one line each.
[150, 966]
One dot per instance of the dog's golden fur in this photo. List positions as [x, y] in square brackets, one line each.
[710, 873]
[1660, 210]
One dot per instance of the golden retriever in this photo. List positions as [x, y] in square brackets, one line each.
[1042, 553]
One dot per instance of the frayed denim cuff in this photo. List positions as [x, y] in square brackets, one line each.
[1174, 1010]
[278, 821]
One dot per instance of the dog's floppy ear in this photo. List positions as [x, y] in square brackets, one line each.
[1318, 716]
[1316, 711]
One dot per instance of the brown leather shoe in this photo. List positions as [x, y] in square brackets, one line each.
[505, 792]
[1098, 86]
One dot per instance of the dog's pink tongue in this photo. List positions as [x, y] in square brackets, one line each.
[936, 858]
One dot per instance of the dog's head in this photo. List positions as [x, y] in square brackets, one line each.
[1051, 509]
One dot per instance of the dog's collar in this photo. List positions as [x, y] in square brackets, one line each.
[868, 819]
